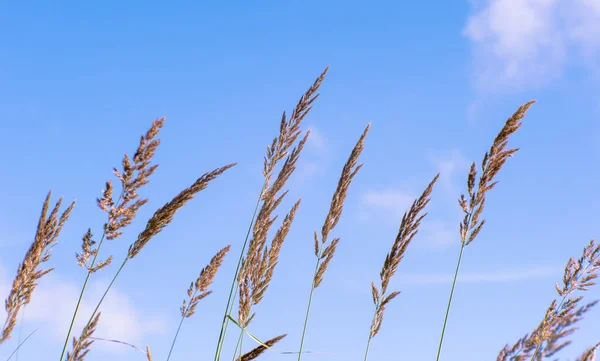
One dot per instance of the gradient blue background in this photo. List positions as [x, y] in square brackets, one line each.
[80, 82]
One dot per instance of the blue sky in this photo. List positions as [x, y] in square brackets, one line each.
[81, 83]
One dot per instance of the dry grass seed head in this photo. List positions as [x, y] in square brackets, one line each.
[271, 201]
[82, 347]
[581, 274]
[257, 272]
[409, 225]
[148, 354]
[325, 259]
[411, 220]
[164, 215]
[260, 349]
[590, 354]
[258, 264]
[88, 251]
[289, 130]
[560, 319]
[339, 196]
[122, 211]
[350, 169]
[493, 161]
[199, 289]
[132, 177]
[46, 237]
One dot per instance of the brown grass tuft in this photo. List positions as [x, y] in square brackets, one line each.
[81, 347]
[199, 289]
[493, 160]
[122, 211]
[259, 263]
[46, 237]
[164, 215]
[558, 323]
[590, 354]
[288, 133]
[408, 229]
[257, 270]
[350, 169]
[260, 349]
[250, 284]
[133, 177]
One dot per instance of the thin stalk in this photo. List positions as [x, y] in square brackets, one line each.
[87, 278]
[238, 346]
[462, 247]
[21, 344]
[312, 290]
[367, 350]
[102, 298]
[175, 338]
[241, 346]
[234, 283]
[370, 338]
[20, 331]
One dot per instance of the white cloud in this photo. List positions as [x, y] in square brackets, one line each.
[316, 155]
[448, 164]
[482, 277]
[522, 43]
[356, 283]
[389, 202]
[316, 140]
[435, 234]
[52, 306]
[389, 205]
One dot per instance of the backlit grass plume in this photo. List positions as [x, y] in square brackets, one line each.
[256, 263]
[492, 162]
[28, 272]
[198, 290]
[558, 323]
[409, 226]
[323, 253]
[120, 212]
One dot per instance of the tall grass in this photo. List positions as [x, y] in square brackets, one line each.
[259, 251]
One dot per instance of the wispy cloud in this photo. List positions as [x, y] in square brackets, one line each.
[356, 283]
[316, 154]
[316, 140]
[437, 235]
[52, 306]
[451, 165]
[391, 203]
[501, 276]
[528, 43]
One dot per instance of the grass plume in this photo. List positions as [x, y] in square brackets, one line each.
[28, 272]
[268, 200]
[323, 253]
[161, 218]
[492, 162]
[560, 318]
[81, 346]
[198, 290]
[120, 212]
[409, 227]
[257, 351]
